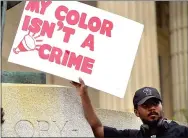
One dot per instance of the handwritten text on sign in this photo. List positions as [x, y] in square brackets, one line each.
[75, 40]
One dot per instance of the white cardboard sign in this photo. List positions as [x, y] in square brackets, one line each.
[70, 39]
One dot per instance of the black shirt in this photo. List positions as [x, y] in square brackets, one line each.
[174, 131]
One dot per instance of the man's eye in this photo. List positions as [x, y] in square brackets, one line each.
[156, 102]
[144, 105]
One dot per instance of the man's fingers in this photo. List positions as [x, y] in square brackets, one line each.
[78, 84]
[81, 81]
[75, 83]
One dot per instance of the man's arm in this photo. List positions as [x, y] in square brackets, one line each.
[91, 116]
[98, 129]
[89, 112]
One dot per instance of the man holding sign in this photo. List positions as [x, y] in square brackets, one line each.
[147, 106]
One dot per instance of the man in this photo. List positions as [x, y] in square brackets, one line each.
[148, 107]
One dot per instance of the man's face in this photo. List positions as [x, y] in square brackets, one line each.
[150, 111]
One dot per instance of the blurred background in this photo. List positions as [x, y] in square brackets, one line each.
[161, 60]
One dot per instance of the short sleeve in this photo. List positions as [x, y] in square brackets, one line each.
[113, 132]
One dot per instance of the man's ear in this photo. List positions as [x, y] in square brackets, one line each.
[136, 112]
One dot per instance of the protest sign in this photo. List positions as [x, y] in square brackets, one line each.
[70, 39]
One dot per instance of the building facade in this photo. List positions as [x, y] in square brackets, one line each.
[161, 60]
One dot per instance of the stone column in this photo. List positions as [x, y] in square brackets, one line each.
[179, 51]
[145, 71]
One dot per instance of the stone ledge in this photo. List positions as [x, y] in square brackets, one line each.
[42, 111]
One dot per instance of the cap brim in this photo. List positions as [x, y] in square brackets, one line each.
[147, 98]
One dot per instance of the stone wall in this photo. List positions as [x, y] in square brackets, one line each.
[37, 110]
[42, 110]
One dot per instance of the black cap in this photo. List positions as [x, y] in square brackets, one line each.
[144, 94]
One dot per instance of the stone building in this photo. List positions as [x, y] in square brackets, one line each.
[161, 60]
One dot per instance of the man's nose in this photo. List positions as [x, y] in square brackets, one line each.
[152, 107]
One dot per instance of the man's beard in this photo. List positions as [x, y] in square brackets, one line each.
[153, 123]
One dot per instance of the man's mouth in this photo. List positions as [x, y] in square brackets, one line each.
[153, 114]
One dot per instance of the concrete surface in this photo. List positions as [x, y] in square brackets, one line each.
[42, 111]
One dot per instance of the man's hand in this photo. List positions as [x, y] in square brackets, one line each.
[81, 87]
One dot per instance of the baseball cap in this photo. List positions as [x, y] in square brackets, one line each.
[145, 93]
